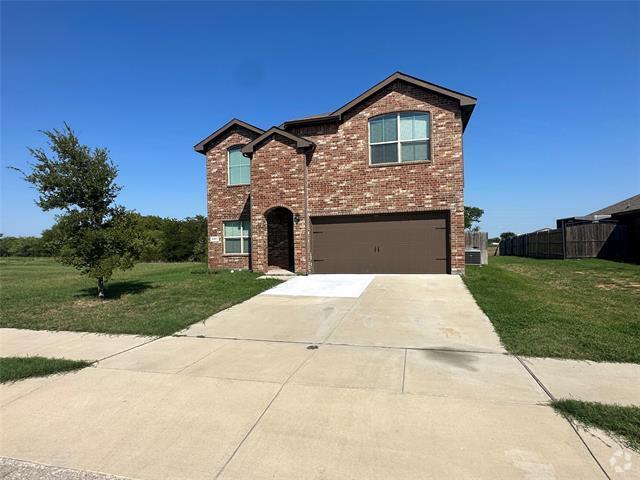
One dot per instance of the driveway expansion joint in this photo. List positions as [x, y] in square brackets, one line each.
[128, 349]
[534, 376]
[342, 344]
[226, 463]
[404, 369]
[569, 420]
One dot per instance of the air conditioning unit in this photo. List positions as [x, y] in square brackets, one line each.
[473, 257]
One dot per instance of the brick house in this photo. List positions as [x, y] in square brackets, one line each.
[375, 186]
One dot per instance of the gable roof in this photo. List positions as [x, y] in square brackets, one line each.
[201, 147]
[467, 102]
[299, 141]
[631, 203]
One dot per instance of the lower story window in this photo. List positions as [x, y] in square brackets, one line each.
[237, 237]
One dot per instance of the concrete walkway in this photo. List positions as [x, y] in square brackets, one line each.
[71, 345]
[589, 381]
[405, 380]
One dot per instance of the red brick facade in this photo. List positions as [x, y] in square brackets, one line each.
[277, 180]
[336, 179]
[225, 203]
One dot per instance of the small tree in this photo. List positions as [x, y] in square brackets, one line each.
[94, 235]
[472, 216]
[506, 235]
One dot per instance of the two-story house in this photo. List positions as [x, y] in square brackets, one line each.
[375, 186]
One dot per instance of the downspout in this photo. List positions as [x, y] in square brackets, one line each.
[250, 157]
[462, 195]
[307, 157]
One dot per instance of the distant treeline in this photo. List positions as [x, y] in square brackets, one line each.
[160, 240]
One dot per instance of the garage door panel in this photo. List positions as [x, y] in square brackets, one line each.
[399, 243]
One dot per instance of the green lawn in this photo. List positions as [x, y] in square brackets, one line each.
[17, 368]
[582, 309]
[150, 299]
[622, 422]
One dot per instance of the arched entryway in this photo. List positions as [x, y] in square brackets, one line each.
[280, 238]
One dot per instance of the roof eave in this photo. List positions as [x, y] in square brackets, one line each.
[467, 102]
[466, 110]
[300, 142]
[312, 121]
[200, 147]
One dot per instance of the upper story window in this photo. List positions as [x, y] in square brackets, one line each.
[239, 172]
[400, 137]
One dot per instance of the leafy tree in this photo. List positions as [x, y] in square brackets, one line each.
[472, 217]
[93, 234]
[151, 234]
[159, 240]
[200, 249]
[53, 238]
[180, 237]
[23, 247]
[505, 235]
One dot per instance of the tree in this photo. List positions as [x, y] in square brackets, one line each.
[472, 216]
[151, 237]
[23, 247]
[505, 235]
[181, 236]
[93, 234]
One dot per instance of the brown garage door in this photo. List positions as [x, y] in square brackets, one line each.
[398, 243]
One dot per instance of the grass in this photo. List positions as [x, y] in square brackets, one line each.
[17, 368]
[622, 422]
[580, 309]
[151, 299]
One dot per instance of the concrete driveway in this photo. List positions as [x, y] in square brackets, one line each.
[401, 311]
[323, 377]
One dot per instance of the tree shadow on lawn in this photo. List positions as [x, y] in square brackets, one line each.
[115, 290]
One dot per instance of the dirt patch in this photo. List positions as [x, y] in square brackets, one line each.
[519, 269]
[616, 283]
[93, 302]
[544, 276]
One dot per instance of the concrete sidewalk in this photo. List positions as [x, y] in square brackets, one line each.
[408, 380]
[71, 345]
[294, 413]
[589, 381]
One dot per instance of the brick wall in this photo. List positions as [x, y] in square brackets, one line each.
[277, 180]
[340, 180]
[223, 202]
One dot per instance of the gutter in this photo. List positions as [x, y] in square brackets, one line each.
[307, 242]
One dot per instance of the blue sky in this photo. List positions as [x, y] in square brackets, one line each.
[556, 131]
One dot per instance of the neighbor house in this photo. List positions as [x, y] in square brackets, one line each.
[619, 232]
[375, 186]
[611, 233]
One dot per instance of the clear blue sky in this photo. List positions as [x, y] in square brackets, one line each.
[556, 131]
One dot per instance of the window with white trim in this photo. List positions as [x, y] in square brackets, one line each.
[237, 237]
[239, 167]
[400, 137]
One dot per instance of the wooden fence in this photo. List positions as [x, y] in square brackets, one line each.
[586, 240]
